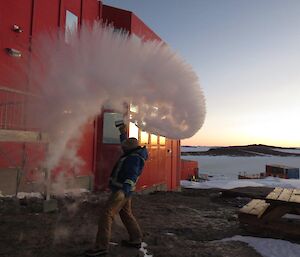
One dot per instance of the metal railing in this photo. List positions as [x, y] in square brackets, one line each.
[13, 108]
[15, 115]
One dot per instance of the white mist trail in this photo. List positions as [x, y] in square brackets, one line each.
[103, 67]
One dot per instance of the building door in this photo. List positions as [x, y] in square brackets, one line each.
[108, 149]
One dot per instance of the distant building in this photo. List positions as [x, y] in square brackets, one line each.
[189, 170]
[282, 171]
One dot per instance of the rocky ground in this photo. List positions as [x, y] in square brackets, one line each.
[190, 223]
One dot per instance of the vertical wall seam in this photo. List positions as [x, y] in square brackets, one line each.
[81, 11]
[59, 12]
[31, 21]
[100, 8]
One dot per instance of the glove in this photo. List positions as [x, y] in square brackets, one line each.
[123, 129]
[126, 189]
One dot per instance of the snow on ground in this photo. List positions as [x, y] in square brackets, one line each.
[22, 195]
[288, 150]
[268, 247]
[195, 148]
[228, 167]
[75, 192]
[230, 184]
[206, 148]
[144, 250]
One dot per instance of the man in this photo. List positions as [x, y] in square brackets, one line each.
[122, 183]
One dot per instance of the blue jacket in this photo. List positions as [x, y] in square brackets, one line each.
[128, 169]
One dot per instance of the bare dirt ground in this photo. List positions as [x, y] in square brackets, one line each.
[190, 223]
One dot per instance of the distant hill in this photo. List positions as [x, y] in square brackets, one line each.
[248, 150]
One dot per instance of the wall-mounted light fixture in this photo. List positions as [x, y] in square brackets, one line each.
[13, 52]
[17, 29]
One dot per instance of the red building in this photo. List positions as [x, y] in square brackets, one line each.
[189, 170]
[21, 147]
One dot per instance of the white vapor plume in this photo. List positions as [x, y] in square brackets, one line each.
[100, 66]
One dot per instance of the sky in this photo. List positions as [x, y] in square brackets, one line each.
[246, 54]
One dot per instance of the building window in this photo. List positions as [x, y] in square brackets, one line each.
[154, 139]
[111, 134]
[144, 137]
[133, 130]
[162, 140]
[71, 25]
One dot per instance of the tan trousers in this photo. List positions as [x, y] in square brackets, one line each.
[117, 203]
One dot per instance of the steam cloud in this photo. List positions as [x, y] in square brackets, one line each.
[103, 67]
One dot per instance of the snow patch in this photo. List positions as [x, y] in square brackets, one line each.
[194, 148]
[297, 151]
[170, 234]
[22, 195]
[74, 192]
[269, 247]
[230, 184]
[228, 167]
[144, 250]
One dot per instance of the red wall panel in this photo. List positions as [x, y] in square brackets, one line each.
[73, 6]
[45, 20]
[86, 149]
[10, 155]
[45, 16]
[177, 164]
[90, 10]
[145, 178]
[188, 169]
[162, 166]
[14, 12]
[162, 155]
[27, 156]
[139, 28]
[120, 19]
[34, 156]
